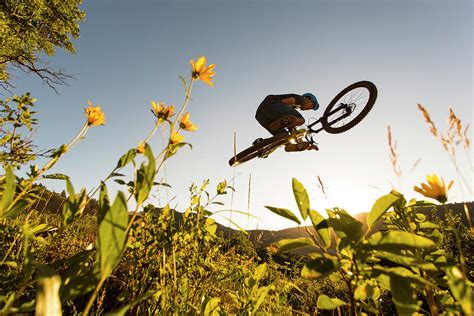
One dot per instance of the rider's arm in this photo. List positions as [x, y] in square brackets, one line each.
[292, 100]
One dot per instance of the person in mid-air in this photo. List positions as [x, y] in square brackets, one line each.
[277, 113]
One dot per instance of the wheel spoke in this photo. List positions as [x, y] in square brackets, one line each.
[360, 97]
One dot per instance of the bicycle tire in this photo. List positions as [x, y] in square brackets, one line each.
[356, 120]
[255, 150]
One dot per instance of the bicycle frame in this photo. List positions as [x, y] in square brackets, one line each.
[347, 112]
[342, 106]
[293, 134]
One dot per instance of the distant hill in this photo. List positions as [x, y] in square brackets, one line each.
[264, 238]
[52, 203]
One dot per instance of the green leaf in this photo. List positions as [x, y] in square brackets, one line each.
[57, 176]
[457, 282]
[213, 307]
[301, 197]
[126, 158]
[364, 291]
[345, 225]
[9, 190]
[429, 225]
[381, 206]
[104, 203]
[261, 294]
[79, 278]
[325, 302]
[162, 184]
[285, 213]
[69, 188]
[403, 296]
[319, 267]
[211, 226]
[145, 176]
[112, 235]
[394, 240]
[403, 273]
[40, 228]
[321, 226]
[47, 298]
[74, 205]
[260, 272]
[11, 264]
[116, 174]
[401, 258]
[120, 181]
[19, 206]
[286, 245]
[122, 311]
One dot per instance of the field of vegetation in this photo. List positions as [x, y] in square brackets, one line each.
[84, 252]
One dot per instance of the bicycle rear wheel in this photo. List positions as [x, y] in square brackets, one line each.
[349, 107]
[259, 149]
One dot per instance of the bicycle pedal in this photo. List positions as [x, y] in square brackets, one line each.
[297, 147]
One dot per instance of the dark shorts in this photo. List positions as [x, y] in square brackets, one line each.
[268, 113]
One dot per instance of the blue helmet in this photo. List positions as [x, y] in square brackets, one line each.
[312, 98]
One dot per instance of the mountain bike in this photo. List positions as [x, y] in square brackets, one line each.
[345, 111]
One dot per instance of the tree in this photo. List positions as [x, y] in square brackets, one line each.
[30, 29]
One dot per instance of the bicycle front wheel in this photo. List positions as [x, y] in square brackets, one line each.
[260, 149]
[349, 107]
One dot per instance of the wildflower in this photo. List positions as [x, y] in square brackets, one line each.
[161, 111]
[95, 116]
[201, 72]
[435, 188]
[272, 248]
[176, 138]
[186, 124]
[141, 148]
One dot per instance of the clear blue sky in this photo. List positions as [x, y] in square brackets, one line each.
[131, 53]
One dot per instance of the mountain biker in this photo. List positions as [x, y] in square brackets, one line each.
[276, 113]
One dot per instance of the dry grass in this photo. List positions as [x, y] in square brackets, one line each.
[392, 145]
[455, 135]
[322, 187]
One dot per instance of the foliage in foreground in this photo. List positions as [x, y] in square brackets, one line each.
[144, 259]
[406, 258]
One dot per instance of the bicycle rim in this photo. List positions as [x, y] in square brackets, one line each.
[359, 97]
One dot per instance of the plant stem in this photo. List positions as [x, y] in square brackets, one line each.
[186, 100]
[91, 300]
[48, 166]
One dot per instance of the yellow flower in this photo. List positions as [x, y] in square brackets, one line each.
[186, 124]
[176, 138]
[162, 111]
[141, 148]
[435, 188]
[201, 72]
[95, 116]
